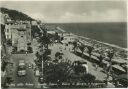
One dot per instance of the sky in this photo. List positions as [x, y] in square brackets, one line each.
[71, 11]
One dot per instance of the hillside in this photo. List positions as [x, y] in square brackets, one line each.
[15, 15]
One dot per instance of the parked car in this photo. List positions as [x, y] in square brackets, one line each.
[30, 66]
[21, 70]
[37, 72]
[40, 80]
[21, 63]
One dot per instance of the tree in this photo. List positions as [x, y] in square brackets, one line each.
[110, 55]
[35, 31]
[45, 55]
[4, 64]
[46, 58]
[74, 46]
[29, 49]
[90, 49]
[88, 79]
[101, 57]
[45, 38]
[9, 42]
[47, 52]
[45, 41]
[82, 48]
[56, 73]
[57, 37]
[16, 15]
[37, 54]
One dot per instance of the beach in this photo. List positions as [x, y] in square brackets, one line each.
[111, 33]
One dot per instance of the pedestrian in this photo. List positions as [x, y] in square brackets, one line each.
[26, 52]
[95, 65]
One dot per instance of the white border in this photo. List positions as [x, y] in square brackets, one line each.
[67, 0]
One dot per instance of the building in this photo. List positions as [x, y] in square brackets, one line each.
[34, 23]
[22, 40]
[51, 32]
[69, 38]
[19, 32]
[3, 50]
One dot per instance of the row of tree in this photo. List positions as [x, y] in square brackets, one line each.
[55, 71]
[101, 57]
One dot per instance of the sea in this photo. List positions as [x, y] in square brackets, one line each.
[108, 32]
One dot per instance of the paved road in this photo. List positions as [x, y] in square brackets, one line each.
[29, 80]
[23, 81]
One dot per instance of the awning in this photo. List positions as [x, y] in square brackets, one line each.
[123, 76]
[118, 67]
[119, 60]
[96, 54]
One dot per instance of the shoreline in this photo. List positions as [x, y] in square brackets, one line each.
[83, 37]
[107, 44]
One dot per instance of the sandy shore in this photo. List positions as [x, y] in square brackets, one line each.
[82, 37]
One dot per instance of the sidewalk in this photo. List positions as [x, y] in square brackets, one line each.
[8, 72]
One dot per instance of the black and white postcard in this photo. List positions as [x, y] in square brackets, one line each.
[64, 44]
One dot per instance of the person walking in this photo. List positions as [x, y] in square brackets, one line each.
[26, 53]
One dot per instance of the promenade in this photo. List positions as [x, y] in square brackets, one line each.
[68, 54]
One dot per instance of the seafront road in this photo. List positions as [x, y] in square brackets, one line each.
[30, 81]
[72, 57]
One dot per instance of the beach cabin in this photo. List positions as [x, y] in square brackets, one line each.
[69, 38]
[118, 69]
[51, 32]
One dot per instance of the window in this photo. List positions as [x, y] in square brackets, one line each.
[7, 36]
[7, 30]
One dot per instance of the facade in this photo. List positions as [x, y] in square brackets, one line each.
[22, 40]
[51, 32]
[4, 18]
[2, 21]
[4, 52]
[68, 38]
[19, 32]
[34, 23]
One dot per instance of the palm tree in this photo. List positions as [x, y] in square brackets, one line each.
[101, 57]
[90, 49]
[56, 73]
[74, 46]
[89, 79]
[45, 41]
[45, 37]
[110, 55]
[57, 37]
[82, 48]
